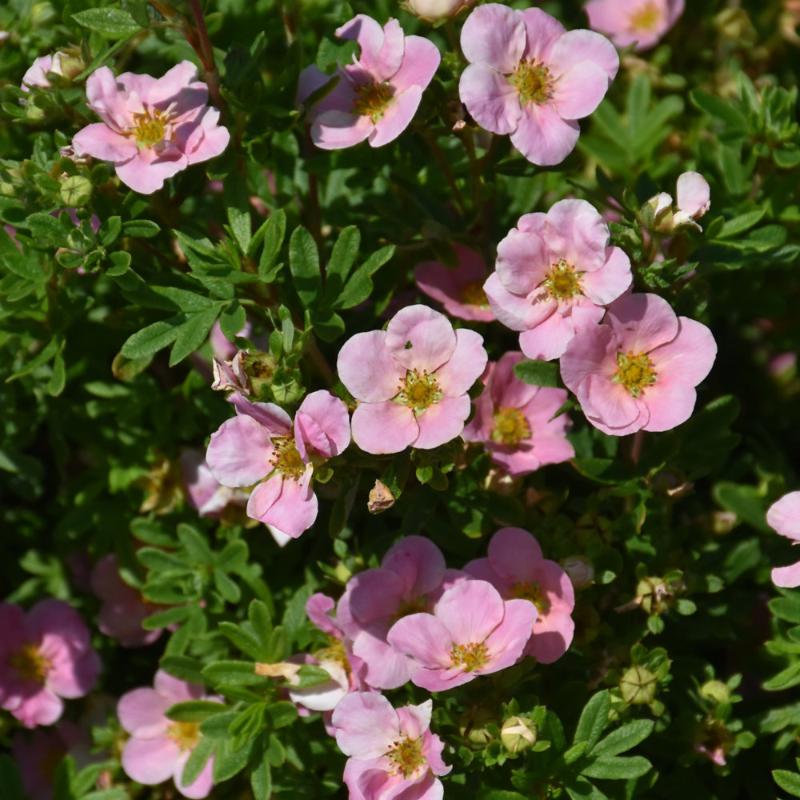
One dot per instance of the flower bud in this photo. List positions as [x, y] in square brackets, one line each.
[638, 686]
[42, 14]
[653, 595]
[518, 734]
[434, 10]
[75, 191]
[580, 571]
[380, 498]
[716, 691]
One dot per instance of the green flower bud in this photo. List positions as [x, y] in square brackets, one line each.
[518, 734]
[638, 686]
[716, 691]
[75, 191]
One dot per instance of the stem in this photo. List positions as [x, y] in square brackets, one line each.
[199, 40]
[444, 165]
[636, 446]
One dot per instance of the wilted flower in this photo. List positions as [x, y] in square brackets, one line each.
[152, 128]
[634, 22]
[377, 95]
[639, 369]
[532, 79]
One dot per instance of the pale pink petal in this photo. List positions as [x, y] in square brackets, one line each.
[239, 451]
[694, 194]
[318, 609]
[420, 338]
[590, 352]
[490, 99]
[550, 338]
[415, 720]
[517, 312]
[367, 368]
[150, 761]
[366, 725]
[424, 638]
[506, 389]
[174, 689]
[464, 366]
[380, 428]
[513, 554]
[397, 117]
[323, 696]
[203, 139]
[145, 175]
[610, 403]
[386, 668]
[494, 35]
[587, 46]
[507, 641]
[642, 322]
[552, 636]
[381, 48]
[142, 711]
[323, 423]
[99, 141]
[688, 358]
[580, 90]
[442, 422]
[577, 232]
[522, 261]
[203, 783]
[334, 130]
[543, 137]
[611, 281]
[42, 708]
[784, 516]
[293, 511]
[669, 404]
[418, 562]
[787, 577]
[470, 611]
[104, 97]
[542, 33]
[271, 417]
[375, 594]
[420, 62]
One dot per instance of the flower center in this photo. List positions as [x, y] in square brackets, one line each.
[469, 656]
[419, 390]
[334, 652]
[406, 756]
[563, 282]
[286, 459]
[150, 127]
[30, 664]
[473, 295]
[635, 372]
[185, 734]
[531, 591]
[372, 100]
[647, 18]
[415, 605]
[510, 427]
[533, 82]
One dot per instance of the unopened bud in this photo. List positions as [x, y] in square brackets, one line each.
[580, 571]
[638, 686]
[716, 691]
[380, 498]
[652, 595]
[42, 14]
[723, 522]
[435, 10]
[518, 734]
[75, 191]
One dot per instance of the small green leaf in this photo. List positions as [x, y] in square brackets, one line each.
[192, 334]
[153, 338]
[359, 287]
[538, 373]
[788, 781]
[304, 265]
[261, 781]
[197, 760]
[593, 719]
[343, 256]
[140, 228]
[616, 768]
[274, 231]
[194, 710]
[111, 23]
[624, 738]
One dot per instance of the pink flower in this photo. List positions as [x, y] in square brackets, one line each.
[693, 202]
[391, 752]
[411, 381]
[123, 609]
[634, 22]
[471, 632]
[459, 289]
[221, 347]
[517, 423]
[152, 128]
[554, 274]
[45, 655]
[638, 370]
[516, 568]
[261, 446]
[377, 95]
[159, 748]
[530, 78]
[38, 71]
[204, 492]
[409, 580]
[783, 516]
[39, 753]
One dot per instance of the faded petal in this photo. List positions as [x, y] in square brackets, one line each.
[787, 577]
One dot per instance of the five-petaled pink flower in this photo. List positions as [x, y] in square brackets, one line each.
[159, 748]
[784, 517]
[459, 289]
[472, 631]
[554, 274]
[377, 95]
[123, 609]
[639, 369]
[409, 580]
[634, 22]
[391, 752]
[261, 446]
[45, 655]
[517, 422]
[152, 128]
[411, 380]
[516, 568]
[530, 78]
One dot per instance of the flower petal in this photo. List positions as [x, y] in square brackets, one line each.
[365, 725]
[239, 451]
[494, 35]
[543, 137]
[420, 338]
[490, 99]
[380, 428]
[367, 368]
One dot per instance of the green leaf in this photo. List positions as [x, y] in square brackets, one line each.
[785, 679]
[47, 230]
[359, 287]
[304, 265]
[261, 781]
[230, 759]
[140, 228]
[236, 673]
[615, 768]
[723, 110]
[194, 710]
[232, 320]
[741, 223]
[153, 338]
[343, 256]
[10, 779]
[538, 373]
[274, 231]
[582, 789]
[58, 378]
[111, 23]
[624, 738]
[197, 760]
[788, 781]
[282, 713]
[237, 202]
[745, 501]
[593, 719]
[192, 334]
[786, 607]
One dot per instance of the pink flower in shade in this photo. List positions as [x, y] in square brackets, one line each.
[45, 655]
[634, 22]
[392, 753]
[377, 95]
[459, 289]
[411, 381]
[152, 128]
[221, 347]
[530, 78]
[409, 580]
[38, 71]
[554, 274]
[783, 516]
[261, 446]
[472, 631]
[693, 200]
[639, 369]
[204, 492]
[517, 423]
[123, 609]
[516, 568]
[159, 748]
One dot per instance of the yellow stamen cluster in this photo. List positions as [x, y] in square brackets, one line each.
[334, 652]
[185, 734]
[30, 664]
[635, 372]
[510, 427]
[473, 295]
[530, 590]
[647, 18]
[563, 281]
[286, 459]
[150, 127]
[372, 100]
[419, 390]
[469, 656]
[406, 756]
[534, 83]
